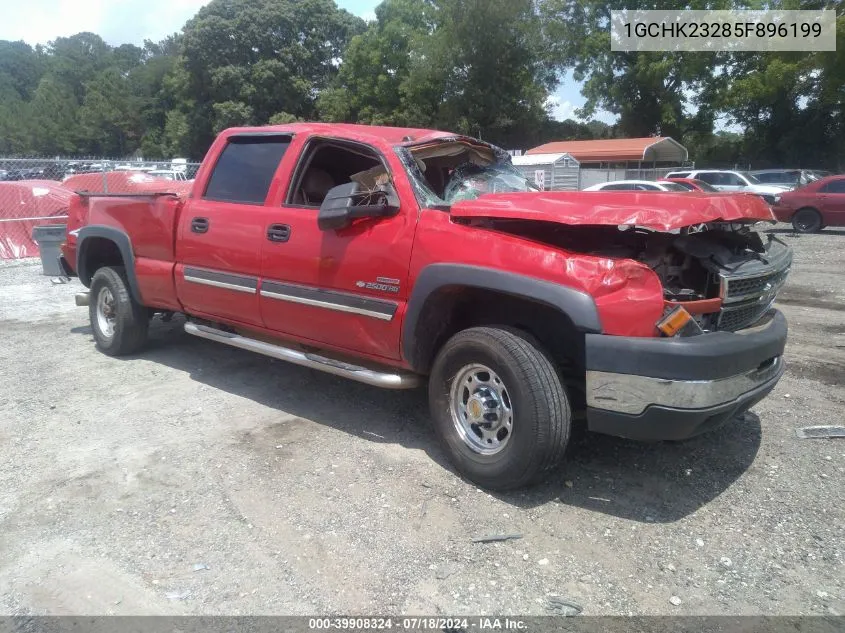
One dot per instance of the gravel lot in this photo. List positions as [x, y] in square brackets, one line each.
[196, 478]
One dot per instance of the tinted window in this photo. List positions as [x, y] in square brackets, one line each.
[622, 187]
[710, 178]
[704, 186]
[769, 177]
[678, 174]
[683, 185]
[675, 186]
[834, 186]
[245, 169]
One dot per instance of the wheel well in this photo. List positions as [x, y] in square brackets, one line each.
[452, 309]
[98, 252]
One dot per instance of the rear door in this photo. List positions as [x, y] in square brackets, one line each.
[220, 235]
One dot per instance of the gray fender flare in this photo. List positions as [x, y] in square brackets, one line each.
[124, 245]
[578, 306]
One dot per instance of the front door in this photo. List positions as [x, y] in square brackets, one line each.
[220, 234]
[342, 288]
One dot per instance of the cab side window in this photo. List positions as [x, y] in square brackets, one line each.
[327, 164]
[245, 168]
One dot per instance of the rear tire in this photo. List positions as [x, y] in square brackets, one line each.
[118, 322]
[499, 408]
[807, 220]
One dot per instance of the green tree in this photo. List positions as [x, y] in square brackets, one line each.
[245, 60]
[651, 92]
[789, 103]
[231, 114]
[20, 69]
[110, 115]
[472, 66]
[76, 59]
[376, 65]
[53, 118]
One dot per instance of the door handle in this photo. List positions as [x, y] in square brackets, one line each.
[199, 225]
[278, 232]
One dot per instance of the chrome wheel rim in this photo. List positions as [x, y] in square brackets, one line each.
[481, 409]
[106, 312]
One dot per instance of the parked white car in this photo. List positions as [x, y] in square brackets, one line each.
[726, 180]
[168, 174]
[637, 185]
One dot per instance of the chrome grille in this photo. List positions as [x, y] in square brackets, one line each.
[752, 287]
[750, 291]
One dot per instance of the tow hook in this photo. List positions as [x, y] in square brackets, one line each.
[81, 298]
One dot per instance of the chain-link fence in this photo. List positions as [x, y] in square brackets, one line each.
[37, 191]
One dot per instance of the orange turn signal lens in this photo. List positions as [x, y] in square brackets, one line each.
[674, 322]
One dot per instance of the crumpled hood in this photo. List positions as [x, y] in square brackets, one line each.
[661, 211]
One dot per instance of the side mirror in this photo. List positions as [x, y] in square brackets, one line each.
[351, 201]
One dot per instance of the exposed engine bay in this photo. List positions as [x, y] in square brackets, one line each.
[726, 262]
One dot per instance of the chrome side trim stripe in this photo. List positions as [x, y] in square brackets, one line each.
[238, 283]
[219, 284]
[294, 293]
[330, 300]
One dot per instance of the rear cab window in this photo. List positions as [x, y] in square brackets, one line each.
[245, 168]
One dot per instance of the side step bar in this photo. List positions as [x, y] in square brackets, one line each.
[387, 380]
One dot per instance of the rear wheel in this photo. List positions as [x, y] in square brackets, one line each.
[807, 220]
[499, 408]
[118, 322]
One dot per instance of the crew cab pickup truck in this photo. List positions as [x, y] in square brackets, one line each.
[396, 257]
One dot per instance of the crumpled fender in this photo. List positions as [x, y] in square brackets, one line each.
[628, 294]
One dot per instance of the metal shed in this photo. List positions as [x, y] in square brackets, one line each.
[554, 172]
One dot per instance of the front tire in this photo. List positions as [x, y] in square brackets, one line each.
[499, 408]
[118, 322]
[807, 220]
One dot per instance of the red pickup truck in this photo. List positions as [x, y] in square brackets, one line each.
[394, 256]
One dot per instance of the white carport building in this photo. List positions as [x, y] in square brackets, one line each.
[552, 172]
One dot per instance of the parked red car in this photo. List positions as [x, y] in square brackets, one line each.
[692, 184]
[814, 206]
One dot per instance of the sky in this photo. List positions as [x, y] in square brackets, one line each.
[133, 21]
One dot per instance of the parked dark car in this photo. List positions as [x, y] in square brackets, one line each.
[35, 170]
[814, 206]
[792, 178]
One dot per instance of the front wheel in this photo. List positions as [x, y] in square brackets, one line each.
[499, 408]
[118, 322]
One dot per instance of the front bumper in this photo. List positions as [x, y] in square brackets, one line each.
[672, 389]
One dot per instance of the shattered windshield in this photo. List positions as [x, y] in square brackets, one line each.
[451, 172]
[468, 181]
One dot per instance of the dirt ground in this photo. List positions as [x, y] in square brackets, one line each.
[196, 478]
